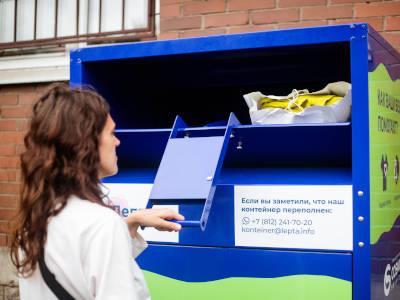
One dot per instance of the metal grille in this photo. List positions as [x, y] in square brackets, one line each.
[109, 36]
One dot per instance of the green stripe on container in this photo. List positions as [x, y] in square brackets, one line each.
[296, 287]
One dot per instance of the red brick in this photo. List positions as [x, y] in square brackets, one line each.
[168, 11]
[7, 150]
[8, 201]
[8, 99]
[244, 29]
[147, 39]
[376, 23]
[7, 213]
[164, 2]
[168, 35]
[4, 227]
[12, 137]
[9, 162]
[300, 3]
[28, 98]
[204, 7]
[276, 16]
[377, 9]
[352, 1]
[16, 112]
[12, 175]
[7, 125]
[22, 125]
[18, 88]
[40, 88]
[9, 188]
[3, 240]
[226, 19]
[330, 12]
[181, 23]
[8, 175]
[392, 23]
[205, 32]
[393, 38]
[251, 4]
[302, 24]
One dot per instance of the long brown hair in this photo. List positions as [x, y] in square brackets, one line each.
[61, 159]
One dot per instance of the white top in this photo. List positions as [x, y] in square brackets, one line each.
[89, 250]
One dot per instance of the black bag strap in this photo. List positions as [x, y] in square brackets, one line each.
[52, 282]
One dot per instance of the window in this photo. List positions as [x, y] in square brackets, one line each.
[31, 23]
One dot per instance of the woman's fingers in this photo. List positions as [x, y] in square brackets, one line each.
[164, 216]
[169, 214]
[168, 226]
[157, 217]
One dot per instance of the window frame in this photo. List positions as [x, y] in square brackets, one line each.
[110, 36]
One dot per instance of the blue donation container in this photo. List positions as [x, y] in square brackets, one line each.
[294, 211]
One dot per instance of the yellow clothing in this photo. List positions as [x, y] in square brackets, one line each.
[302, 101]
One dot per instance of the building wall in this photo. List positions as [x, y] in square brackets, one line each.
[191, 18]
[180, 19]
[15, 108]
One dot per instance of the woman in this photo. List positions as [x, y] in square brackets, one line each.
[70, 146]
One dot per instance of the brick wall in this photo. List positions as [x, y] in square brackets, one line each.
[191, 18]
[15, 108]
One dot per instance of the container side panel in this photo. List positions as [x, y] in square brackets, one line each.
[384, 114]
[174, 272]
[360, 159]
[381, 52]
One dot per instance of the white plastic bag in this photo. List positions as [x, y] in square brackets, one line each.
[337, 112]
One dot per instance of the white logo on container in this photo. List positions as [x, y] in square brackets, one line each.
[387, 281]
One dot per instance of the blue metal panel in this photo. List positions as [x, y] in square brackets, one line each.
[248, 176]
[189, 170]
[141, 148]
[133, 175]
[360, 162]
[227, 136]
[286, 175]
[289, 37]
[219, 230]
[293, 145]
[199, 264]
[178, 124]
[184, 169]
[327, 145]
[76, 69]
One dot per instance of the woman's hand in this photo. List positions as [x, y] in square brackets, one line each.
[154, 217]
